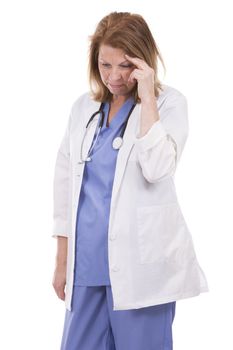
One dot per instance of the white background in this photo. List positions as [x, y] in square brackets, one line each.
[43, 70]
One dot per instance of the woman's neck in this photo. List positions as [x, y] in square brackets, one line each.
[118, 100]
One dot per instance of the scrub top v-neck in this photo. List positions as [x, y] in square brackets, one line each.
[91, 250]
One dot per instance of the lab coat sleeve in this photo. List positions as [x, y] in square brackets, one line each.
[160, 149]
[61, 187]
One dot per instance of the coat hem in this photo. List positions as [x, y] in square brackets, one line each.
[160, 301]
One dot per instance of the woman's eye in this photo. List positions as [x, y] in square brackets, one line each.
[128, 66]
[107, 65]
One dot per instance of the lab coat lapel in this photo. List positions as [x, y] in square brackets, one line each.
[92, 127]
[131, 131]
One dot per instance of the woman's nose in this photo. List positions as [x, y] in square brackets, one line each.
[114, 75]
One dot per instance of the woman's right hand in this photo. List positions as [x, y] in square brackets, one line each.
[59, 277]
[59, 280]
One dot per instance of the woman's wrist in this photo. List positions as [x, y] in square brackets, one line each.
[61, 260]
[61, 257]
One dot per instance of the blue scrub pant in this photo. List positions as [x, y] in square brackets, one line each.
[93, 325]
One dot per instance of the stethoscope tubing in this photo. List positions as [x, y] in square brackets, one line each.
[120, 138]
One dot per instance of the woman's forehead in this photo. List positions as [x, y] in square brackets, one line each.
[106, 51]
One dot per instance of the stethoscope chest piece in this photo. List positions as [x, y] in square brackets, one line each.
[117, 142]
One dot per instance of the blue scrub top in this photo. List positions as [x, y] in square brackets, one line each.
[91, 251]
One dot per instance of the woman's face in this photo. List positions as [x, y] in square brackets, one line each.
[115, 70]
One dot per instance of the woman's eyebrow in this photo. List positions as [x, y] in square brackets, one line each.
[124, 62]
[101, 59]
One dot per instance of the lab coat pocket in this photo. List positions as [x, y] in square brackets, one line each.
[161, 233]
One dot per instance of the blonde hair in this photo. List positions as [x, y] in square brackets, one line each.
[130, 33]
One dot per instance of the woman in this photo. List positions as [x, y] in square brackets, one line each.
[125, 254]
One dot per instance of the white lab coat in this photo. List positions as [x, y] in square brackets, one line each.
[151, 253]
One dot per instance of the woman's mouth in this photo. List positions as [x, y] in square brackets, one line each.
[116, 86]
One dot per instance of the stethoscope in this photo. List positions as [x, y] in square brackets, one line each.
[117, 142]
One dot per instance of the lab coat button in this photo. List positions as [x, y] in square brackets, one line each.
[112, 237]
[115, 268]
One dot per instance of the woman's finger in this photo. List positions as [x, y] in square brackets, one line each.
[137, 62]
[135, 75]
[61, 294]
